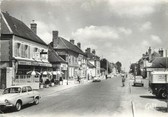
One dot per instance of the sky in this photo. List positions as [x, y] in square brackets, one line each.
[119, 30]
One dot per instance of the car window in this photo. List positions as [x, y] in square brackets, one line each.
[12, 90]
[29, 89]
[24, 89]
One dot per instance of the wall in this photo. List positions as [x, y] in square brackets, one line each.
[5, 50]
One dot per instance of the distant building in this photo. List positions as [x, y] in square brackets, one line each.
[24, 56]
[72, 54]
[95, 61]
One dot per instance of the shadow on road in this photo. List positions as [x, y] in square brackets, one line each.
[148, 96]
[161, 109]
[11, 110]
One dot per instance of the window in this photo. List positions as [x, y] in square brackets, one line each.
[17, 49]
[24, 90]
[29, 89]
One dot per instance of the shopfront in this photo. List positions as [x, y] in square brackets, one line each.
[32, 72]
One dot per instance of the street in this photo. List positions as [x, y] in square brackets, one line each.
[94, 99]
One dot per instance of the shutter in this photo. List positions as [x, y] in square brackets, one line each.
[16, 49]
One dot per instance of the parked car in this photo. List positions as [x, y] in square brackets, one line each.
[17, 96]
[96, 79]
[138, 80]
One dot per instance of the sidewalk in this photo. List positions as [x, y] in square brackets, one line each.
[57, 88]
[144, 104]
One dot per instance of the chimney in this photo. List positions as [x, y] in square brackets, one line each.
[87, 50]
[72, 41]
[79, 45]
[93, 51]
[33, 27]
[161, 52]
[55, 38]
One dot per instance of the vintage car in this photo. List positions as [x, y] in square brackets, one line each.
[138, 80]
[96, 79]
[17, 96]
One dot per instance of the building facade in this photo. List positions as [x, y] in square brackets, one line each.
[24, 56]
[95, 61]
[72, 54]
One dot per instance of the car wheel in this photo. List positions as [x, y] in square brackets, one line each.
[36, 101]
[163, 94]
[18, 106]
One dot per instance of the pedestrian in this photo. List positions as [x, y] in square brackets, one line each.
[123, 80]
[78, 79]
[61, 80]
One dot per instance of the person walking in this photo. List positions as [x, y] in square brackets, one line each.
[79, 79]
[61, 80]
[123, 80]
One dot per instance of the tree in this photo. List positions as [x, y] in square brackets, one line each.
[106, 65]
[118, 65]
[135, 69]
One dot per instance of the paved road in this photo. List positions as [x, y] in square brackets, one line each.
[103, 98]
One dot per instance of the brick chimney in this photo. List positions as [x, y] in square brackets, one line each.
[72, 41]
[33, 27]
[79, 45]
[93, 51]
[161, 52]
[55, 38]
[87, 50]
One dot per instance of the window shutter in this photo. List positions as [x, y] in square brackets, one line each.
[16, 49]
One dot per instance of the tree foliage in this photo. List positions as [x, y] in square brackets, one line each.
[118, 65]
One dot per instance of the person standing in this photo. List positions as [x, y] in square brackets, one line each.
[61, 80]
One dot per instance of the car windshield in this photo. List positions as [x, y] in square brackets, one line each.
[12, 90]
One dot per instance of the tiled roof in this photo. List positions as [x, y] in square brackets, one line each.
[53, 57]
[64, 44]
[160, 62]
[20, 29]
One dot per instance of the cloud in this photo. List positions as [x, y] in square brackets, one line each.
[145, 43]
[101, 32]
[138, 8]
[125, 31]
[146, 26]
[96, 32]
[156, 39]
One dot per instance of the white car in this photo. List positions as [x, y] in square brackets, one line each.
[96, 79]
[16, 96]
[138, 80]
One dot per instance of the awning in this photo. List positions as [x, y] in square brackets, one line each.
[34, 63]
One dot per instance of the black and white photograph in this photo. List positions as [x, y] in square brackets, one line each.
[84, 58]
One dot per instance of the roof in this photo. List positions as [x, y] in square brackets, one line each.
[160, 62]
[90, 65]
[53, 57]
[92, 56]
[64, 44]
[18, 28]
